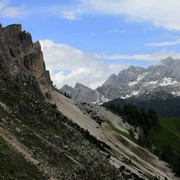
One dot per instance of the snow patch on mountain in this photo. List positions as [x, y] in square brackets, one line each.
[134, 93]
[141, 76]
[150, 83]
[167, 81]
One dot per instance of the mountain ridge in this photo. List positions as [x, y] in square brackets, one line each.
[134, 81]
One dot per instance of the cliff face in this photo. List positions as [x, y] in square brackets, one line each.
[19, 55]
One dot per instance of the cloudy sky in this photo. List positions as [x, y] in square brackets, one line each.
[87, 40]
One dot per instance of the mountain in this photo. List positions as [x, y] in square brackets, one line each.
[44, 135]
[136, 81]
[20, 57]
[83, 94]
[67, 89]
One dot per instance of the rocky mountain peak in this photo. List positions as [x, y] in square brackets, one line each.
[136, 81]
[19, 55]
[135, 69]
[67, 89]
[168, 60]
[111, 79]
[84, 94]
[79, 85]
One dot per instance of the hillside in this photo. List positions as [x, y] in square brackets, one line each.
[36, 131]
[54, 137]
[159, 135]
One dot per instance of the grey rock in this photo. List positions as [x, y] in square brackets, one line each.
[19, 55]
[67, 89]
[136, 81]
[84, 94]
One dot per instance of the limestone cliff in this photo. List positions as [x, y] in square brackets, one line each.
[19, 55]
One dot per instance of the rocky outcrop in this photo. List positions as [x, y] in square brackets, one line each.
[82, 93]
[67, 89]
[19, 55]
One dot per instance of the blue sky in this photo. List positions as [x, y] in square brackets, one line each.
[87, 40]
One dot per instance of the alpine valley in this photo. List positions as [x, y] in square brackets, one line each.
[46, 135]
[156, 87]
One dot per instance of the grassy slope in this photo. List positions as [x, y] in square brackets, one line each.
[14, 166]
[169, 134]
[167, 141]
[51, 137]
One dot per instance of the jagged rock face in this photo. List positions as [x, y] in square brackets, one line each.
[82, 93]
[18, 54]
[136, 81]
[67, 89]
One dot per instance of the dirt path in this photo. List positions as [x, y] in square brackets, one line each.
[20, 148]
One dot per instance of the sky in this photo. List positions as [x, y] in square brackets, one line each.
[85, 41]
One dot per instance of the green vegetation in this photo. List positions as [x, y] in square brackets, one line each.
[53, 140]
[121, 132]
[136, 117]
[14, 166]
[168, 107]
[161, 136]
[167, 141]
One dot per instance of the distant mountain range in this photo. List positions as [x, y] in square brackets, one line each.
[134, 81]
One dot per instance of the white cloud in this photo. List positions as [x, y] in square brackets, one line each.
[121, 31]
[3, 3]
[68, 12]
[69, 65]
[170, 43]
[71, 15]
[10, 11]
[13, 12]
[159, 12]
[81, 66]
[144, 57]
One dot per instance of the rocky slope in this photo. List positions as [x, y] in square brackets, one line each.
[44, 135]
